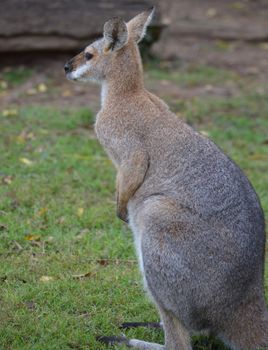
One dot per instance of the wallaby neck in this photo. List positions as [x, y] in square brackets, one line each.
[125, 79]
[114, 91]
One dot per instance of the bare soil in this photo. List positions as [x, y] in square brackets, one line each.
[229, 34]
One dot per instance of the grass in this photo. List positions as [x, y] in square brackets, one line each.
[16, 76]
[191, 76]
[68, 270]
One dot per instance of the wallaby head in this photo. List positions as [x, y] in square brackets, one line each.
[115, 56]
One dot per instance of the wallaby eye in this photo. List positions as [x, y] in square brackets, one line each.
[88, 56]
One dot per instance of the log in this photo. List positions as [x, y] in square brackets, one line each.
[37, 25]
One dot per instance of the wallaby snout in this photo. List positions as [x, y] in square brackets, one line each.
[77, 66]
[68, 67]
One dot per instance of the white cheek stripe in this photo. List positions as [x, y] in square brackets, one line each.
[79, 72]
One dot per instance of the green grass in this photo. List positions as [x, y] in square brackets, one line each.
[16, 76]
[192, 76]
[13, 77]
[58, 221]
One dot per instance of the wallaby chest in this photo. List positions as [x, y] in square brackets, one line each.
[117, 134]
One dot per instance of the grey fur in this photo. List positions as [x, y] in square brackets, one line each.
[115, 33]
[197, 222]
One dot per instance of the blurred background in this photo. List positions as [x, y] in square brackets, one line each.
[42, 35]
[68, 270]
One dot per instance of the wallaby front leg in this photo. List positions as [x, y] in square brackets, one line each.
[130, 176]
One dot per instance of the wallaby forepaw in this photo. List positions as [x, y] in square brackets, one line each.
[122, 215]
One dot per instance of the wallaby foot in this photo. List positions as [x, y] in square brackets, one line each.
[176, 336]
[131, 343]
[248, 330]
[143, 345]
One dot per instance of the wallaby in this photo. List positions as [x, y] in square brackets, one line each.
[197, 222]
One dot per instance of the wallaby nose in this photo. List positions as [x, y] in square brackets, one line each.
[68, 67]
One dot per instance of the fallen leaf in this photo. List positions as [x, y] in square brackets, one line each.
[3, 85]
[26, 161]
[252, 70]
[164, 82]
[42, 211]
[82, 233]
[80, 211]
[238, 5]
[30, 305]
[31, 91]
[17, 246]
[46, 279]
[209, 88]
[40, 149]
[66, 93]
[7, 180]
[37, 244]
[115, 261]
[42, 87]
[24, 136]
[3, 93]
[20, 139]
[61, 220]
[260, 90]
[3, 278]
[259, 157]
[84, 314]
[212, 12]
[12, 112]
[74, 346]
[43, 131]
[84, 275]
[31, 237]
[264, 46]
[223, 45]
[204, 133]
[103, 262]
[30, 136]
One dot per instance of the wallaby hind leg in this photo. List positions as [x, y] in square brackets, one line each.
[131, 343]
[248, 330]
[176, 337]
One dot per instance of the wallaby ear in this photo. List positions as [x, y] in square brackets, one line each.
[115, 34]
[137, 26]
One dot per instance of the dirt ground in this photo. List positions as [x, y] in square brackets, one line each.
[64, 94]
[229, 34]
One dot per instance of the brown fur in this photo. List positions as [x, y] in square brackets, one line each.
[78, 60]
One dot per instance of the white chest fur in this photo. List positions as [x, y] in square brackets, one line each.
[138, 246]
[104, 91]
